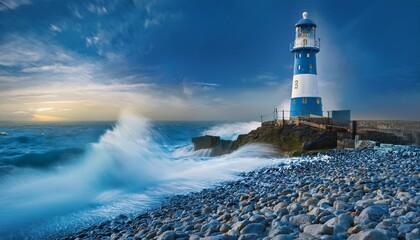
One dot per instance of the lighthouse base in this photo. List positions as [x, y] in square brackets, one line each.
[305, 106]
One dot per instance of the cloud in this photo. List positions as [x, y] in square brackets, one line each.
[75, 11]
[100, 10]
[19, 51]
[190, 89]
[267, 79]
[43, 109]
[55, 28]
[57, 68]
[12, 4]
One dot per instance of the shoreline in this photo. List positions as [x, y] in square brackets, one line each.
[352, 194]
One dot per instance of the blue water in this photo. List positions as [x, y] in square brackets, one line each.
[56, 178]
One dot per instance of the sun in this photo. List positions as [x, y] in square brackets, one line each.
[46, 118]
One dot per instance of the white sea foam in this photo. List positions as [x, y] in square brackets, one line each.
[231, 131]
[126, 171]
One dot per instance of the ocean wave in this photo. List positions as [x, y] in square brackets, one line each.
[128, 163]
[45, 160]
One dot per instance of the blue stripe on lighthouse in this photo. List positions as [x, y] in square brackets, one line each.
[303, 63]
[304, 106]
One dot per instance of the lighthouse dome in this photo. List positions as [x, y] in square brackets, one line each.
[305, 20]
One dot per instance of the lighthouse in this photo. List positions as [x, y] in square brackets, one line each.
[305, 99]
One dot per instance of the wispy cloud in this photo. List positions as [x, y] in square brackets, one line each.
[266, 79]
[19, 51]
[190, 89]
[55, 28]
[98, 9]
[12, 4]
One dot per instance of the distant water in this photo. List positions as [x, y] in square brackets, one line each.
[56, 178]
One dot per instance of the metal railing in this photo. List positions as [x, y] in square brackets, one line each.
[285, 115]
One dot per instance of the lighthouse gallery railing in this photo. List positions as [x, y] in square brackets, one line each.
[317, 44]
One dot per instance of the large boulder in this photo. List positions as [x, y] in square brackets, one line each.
[217, 145]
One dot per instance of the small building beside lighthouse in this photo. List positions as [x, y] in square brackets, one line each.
[305, 99]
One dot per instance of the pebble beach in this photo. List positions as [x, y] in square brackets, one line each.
[339, 194]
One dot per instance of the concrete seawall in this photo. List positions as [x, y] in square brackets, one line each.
[389, 131]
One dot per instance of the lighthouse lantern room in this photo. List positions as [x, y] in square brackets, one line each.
[305, 99]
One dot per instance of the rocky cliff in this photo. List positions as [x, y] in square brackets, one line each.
[289, 140]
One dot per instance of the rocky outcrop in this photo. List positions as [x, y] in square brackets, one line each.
[291, 139]
[288, 140]
[217, 145]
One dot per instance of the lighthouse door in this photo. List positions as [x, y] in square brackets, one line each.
[305, 42]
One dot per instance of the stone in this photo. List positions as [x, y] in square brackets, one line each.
[255, 228]
[406, 228]
[224, 228]
[318, 229]
[415, 201]
[206, 209]
[341, 205]
[412, 236]
[345, 219]
[294, 208]
[306, 236]
[280, 230]
[256, 219]
[218, 146]
[194, 237]
[354, 229]
[220, 237]
[238, 226]
[168, 235]
[210, 228]
[250, 236]
[369, 234]
[281, 212]
[302, 219]
[282, 237]
[373, 213]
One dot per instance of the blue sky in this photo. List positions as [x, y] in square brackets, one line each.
[202, 60]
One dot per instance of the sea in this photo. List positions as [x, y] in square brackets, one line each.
[58, 178]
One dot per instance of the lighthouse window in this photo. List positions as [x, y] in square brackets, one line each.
[318, 101]
[296, 84]
[300, 55]
[310, 66]
[299, 66]
[307, 55]
[304, 100]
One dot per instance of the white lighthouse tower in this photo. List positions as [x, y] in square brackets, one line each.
[305, 98]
